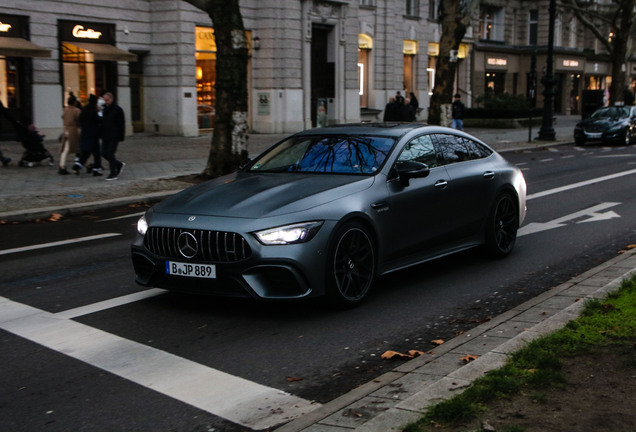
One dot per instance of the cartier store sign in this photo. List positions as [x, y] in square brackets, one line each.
[87, 32]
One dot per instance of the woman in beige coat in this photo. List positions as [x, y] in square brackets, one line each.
[71, 135]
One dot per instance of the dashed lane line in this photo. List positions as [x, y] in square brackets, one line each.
[238, 400]
[58, 243]
[580, 184]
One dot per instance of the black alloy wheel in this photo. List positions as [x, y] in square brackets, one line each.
[502, 226]
[351, 266]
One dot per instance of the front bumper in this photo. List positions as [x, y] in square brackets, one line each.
[270, 272]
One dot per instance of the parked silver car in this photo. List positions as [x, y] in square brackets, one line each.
[327, 210]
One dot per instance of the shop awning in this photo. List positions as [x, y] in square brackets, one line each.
[18, 47]
[106, 52]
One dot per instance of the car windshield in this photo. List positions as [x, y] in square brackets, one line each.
[611, 112]
[343, 154]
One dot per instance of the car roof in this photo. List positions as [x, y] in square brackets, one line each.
[388, 129]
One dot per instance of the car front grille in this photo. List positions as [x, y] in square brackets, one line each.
[211, 246]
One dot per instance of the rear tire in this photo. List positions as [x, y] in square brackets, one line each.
[502, 226]
[350, 266]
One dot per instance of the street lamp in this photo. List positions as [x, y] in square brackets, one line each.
[547, 130]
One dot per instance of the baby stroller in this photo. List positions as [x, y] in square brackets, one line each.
[33, 143]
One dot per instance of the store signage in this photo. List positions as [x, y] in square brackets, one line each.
[496, 61]
[4, 27]
[571, 63]
[81, 33]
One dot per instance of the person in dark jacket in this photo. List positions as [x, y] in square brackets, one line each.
[407, 112]
[458, 112]
[113, 131]
[90, 123]
[391, 111]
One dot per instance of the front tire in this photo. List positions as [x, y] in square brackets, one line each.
[350, 266]
[502, 226]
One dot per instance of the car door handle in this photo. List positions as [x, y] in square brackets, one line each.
[380, 206]
[441, 184]
[489, 175]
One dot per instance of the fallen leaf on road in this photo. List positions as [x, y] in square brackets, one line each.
[292, 379]
[391, 355]
[469, 357]
[437, 341]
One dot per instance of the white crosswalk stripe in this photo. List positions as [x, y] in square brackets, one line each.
[233, 398]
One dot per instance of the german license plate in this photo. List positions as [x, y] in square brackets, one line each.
[207, 271]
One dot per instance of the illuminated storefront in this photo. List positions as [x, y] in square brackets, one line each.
[16, 52]
[206, 76]
[89, 57]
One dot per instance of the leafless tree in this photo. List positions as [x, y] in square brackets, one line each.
[454, 17]
[229, 140]
[612, 24]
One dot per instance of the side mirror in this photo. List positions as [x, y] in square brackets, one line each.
[411, 169]
[244, 163]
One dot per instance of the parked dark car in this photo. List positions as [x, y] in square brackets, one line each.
[326, 211]
[608, 125]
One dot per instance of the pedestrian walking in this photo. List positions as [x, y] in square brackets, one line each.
[414, 101]
[458, 112]
[113, 132]
[71, 134]
[90, 124]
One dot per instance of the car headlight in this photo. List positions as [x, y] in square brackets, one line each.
[142, 225]
[289, 234]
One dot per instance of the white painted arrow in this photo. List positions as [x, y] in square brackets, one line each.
[593, 215]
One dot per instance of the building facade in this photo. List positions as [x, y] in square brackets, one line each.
[311, 62]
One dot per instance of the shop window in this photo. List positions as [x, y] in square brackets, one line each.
[9, 83]
[495, 83]
[82, 74]
[409, 50]
[365, 43]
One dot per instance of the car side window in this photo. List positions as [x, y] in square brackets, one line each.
[420, 149]
[452, 148]
[476, 150]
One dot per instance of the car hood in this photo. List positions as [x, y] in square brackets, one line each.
[600, 124]
[257, 195]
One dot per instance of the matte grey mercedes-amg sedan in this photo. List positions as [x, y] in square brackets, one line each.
[326, 211]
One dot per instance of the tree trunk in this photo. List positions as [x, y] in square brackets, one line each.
[619, 53]
[454, 19]
[229, 140]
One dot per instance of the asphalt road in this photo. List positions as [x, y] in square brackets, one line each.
[581, 209]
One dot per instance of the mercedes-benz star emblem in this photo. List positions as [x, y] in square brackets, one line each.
[187, 244]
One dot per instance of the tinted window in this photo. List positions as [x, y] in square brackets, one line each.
[421, 149]
[327, 154]
[452, 148]
[476, 150]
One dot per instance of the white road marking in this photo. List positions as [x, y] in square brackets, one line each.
[123, 217]
[593, 215]
[236, 399]
[108, 304]
[580, 184]
[58, 243]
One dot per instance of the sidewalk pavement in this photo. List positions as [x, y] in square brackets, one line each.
[401, 396]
